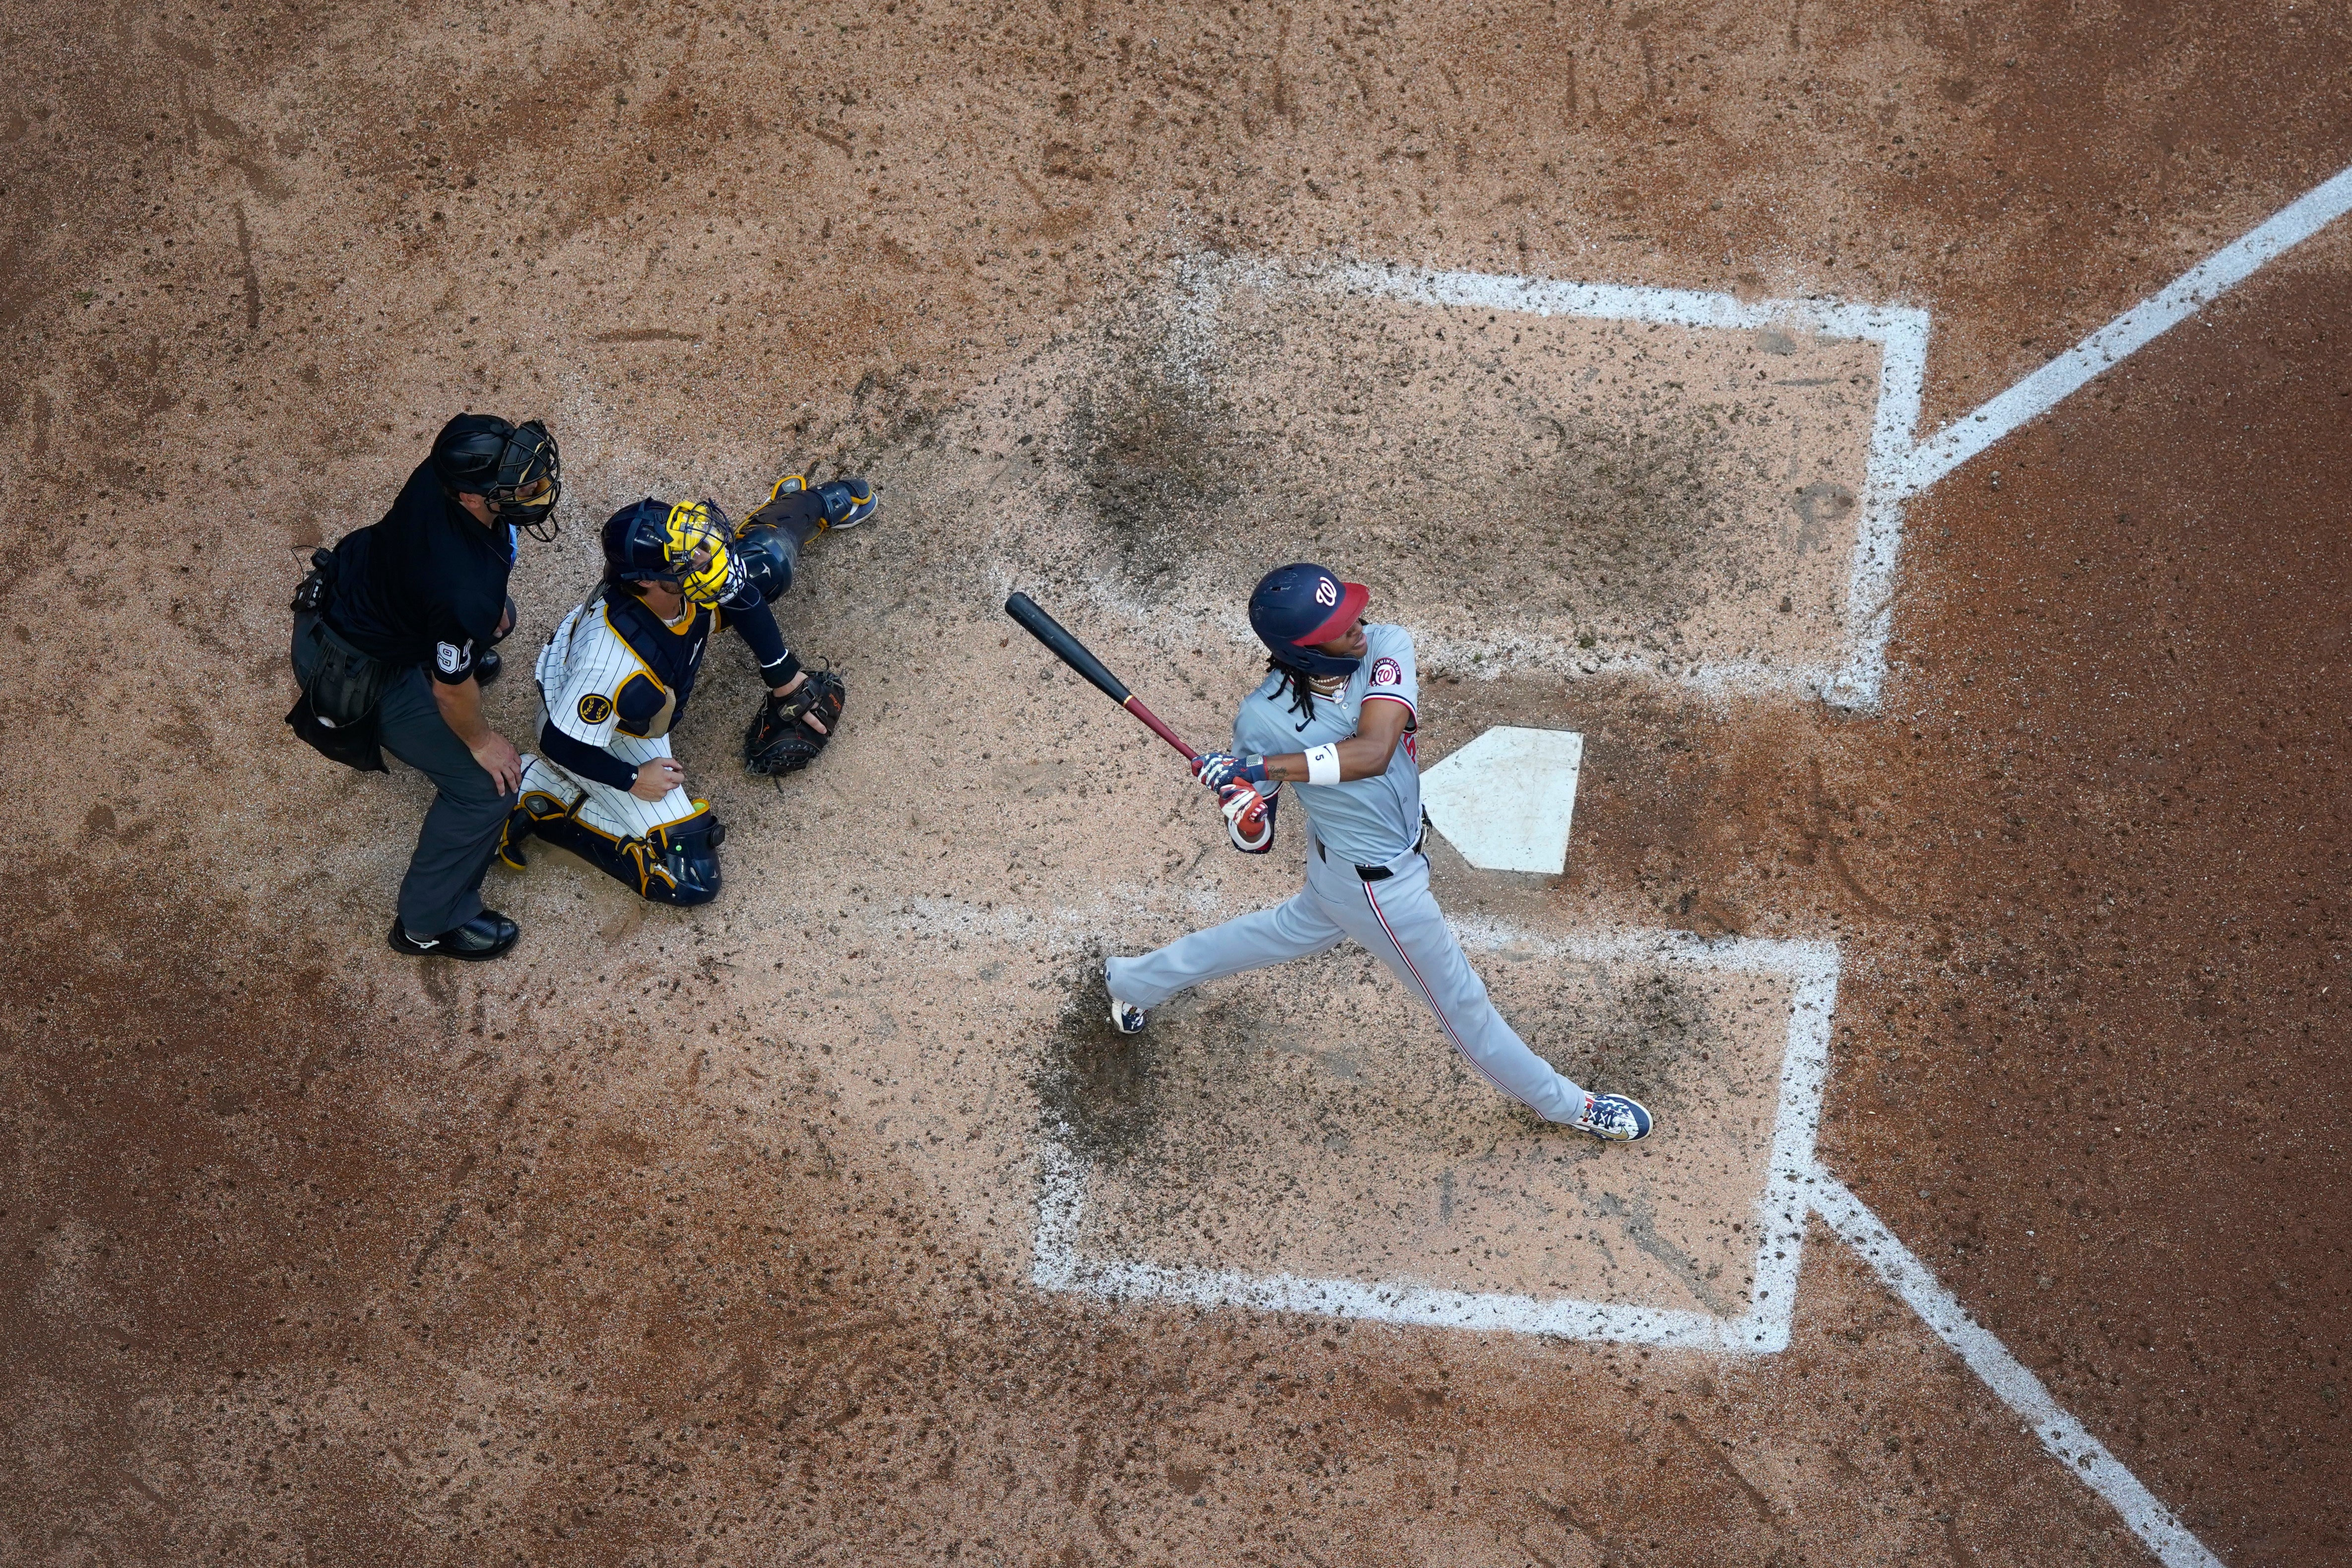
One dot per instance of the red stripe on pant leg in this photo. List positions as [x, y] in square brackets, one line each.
[1430, 996]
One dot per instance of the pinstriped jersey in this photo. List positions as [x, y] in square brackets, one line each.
[613, 667]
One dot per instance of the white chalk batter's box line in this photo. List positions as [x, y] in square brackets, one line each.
[1899, 331]
[1812, 970]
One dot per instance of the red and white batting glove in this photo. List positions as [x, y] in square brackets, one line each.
[1249, 821]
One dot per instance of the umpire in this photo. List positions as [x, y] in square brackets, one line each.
[393, 636]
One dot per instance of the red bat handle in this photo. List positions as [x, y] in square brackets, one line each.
[1135, 706]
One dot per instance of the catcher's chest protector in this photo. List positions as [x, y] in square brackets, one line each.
[652, 698]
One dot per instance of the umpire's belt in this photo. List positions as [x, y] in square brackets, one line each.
[1376, 873]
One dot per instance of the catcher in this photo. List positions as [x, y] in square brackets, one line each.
[618, 673]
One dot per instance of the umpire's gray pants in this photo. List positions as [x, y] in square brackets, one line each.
[443, 889]
[1395, 917]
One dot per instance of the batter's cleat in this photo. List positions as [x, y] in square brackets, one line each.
[486, 664]
[1619, 1118]
[846, 503]
[1125, 1016]
[487, 935]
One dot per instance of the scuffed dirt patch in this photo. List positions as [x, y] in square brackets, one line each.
[1100, 1089]
[1310, 1119]
[1155, 465]
[1632, 515]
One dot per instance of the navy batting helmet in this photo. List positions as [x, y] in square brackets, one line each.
[689, 545]
[1296, 607]
[515, 468]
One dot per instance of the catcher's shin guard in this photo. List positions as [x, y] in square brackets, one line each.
[677, 864]
[771, 539]
[538, 807]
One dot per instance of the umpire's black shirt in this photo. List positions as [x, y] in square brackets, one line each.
[426, 586]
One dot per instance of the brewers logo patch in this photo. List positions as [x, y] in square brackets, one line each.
[1386, 673]
[595, 708]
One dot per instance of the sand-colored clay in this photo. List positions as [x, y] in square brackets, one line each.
[1311, 1122]
[704, 1238]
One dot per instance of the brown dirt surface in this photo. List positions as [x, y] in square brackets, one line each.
[705, 1237]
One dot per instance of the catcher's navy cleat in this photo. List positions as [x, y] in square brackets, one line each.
[846, 503]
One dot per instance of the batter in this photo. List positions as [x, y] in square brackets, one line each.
[1335, 718]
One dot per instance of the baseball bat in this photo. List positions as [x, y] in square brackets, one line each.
[1073, 653]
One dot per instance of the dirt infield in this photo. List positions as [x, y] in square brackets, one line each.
[714, 1236]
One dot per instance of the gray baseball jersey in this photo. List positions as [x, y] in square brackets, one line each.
[1366, 822]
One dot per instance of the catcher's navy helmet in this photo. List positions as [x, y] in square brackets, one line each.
[655, 542]
[515, 468]
[1298, 605]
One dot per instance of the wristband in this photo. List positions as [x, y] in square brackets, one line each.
[1323, 764]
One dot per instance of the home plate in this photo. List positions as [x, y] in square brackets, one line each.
[1506, 799]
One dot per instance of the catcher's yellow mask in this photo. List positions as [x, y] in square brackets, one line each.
[697, 545]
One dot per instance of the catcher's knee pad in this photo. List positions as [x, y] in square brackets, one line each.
[769, 555]
[796, 512]
[680, 864]
[677, 864]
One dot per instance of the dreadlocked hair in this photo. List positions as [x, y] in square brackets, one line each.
[1294, 684]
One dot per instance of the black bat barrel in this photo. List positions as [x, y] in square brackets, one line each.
[1063, 646]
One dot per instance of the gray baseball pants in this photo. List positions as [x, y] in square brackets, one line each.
[443, 889]
[1396, 919]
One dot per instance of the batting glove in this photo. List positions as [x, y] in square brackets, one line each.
[1249, 818]
[1217, 768]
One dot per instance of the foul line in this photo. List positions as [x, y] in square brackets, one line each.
[2083, 1455]
[2183, 298]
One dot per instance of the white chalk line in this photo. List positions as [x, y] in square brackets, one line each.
[1900, 331]
[1812, 970]
[1795, 1184]
[2215, 276]
[2083, 1455]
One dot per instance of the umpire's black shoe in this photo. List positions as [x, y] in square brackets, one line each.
[487, 935]
[486, 664]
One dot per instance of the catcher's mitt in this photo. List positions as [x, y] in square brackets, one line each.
[778, 742]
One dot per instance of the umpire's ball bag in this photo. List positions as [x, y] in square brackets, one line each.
[336, 714]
